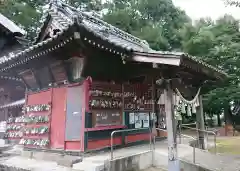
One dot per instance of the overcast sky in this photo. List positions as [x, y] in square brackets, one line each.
[206, 8]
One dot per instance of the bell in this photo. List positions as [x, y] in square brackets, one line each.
[189, 110]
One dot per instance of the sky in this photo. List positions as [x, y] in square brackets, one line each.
[206, 8]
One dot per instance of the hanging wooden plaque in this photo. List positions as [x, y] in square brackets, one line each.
[106, 118]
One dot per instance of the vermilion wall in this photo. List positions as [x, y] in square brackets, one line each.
[43, 97]
[137, 138]
[57, 98]
[58, 118]
[103, 143]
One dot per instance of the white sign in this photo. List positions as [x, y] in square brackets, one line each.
[131, 118]
[3, 126]
[138, 124]
[136, 116]
[142, 116]
[146, 121]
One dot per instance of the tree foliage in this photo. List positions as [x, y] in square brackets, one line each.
[219, 44]
[156, 21]
[25, 13]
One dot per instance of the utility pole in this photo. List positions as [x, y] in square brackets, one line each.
[173, 162]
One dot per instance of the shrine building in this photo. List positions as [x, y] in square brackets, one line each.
[86, 78]
[12, 89]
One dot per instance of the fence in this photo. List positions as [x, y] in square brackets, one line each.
[130, 130]
[214, 133]
[152, 148]
[187, 136]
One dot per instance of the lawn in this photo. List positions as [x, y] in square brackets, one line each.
[229, 145]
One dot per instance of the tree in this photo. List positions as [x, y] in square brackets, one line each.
[25, 13]
[156, 21]
[219, 44]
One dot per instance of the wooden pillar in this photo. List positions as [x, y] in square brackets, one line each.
[154, 104]
[200, 124]
[173, 162]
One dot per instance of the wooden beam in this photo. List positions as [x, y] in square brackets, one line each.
[36, 78]
[20, 76]
[51, 74]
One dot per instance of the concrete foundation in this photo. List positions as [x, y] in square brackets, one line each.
[186, 166]
[128, 159]
[135, 162]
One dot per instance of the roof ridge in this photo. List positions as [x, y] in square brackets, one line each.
[61, 6]
[113, 28]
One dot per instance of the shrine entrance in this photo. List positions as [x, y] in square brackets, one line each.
[74, 113]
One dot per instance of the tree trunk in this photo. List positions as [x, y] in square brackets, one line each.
[219, 119]
[228, 119]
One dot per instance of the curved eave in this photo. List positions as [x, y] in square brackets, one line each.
[194, 63]
[42, 48]
[179, 59]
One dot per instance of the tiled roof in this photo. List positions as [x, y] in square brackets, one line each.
[190, 57]
[64, 16]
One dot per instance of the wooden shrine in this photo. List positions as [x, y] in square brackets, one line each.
[86, 78]
[12, 88]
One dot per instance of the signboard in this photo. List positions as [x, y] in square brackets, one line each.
[105, 118]
[141, 120]
[146, 121]
[131, 118]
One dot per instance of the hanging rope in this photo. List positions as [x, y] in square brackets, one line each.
[190, 102]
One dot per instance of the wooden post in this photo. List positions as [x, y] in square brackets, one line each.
[200, 124]
[154, 132]
[173, 162]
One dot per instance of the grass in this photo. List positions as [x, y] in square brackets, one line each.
[229, 145]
